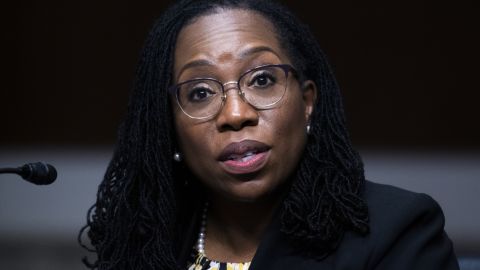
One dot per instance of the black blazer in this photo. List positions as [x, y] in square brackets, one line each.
[406, 232]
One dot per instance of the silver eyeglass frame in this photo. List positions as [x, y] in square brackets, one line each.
[285, 67]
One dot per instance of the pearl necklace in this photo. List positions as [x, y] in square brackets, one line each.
[201, 245]
[201, 234]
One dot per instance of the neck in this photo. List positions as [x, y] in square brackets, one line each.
[234, 229]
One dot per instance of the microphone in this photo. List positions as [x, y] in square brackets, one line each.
[38, 173]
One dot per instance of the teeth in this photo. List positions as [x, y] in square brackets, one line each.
[249, 154]
[244, 157]
[247, 158]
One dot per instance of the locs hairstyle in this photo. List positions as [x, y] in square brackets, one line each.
[142, 199]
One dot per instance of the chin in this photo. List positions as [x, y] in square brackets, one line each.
[253, 192]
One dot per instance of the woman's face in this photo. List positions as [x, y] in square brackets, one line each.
[240, 154]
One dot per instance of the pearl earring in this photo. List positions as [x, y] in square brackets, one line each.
[308, 129]
[177, 157]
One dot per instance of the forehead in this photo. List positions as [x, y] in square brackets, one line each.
[222, 36]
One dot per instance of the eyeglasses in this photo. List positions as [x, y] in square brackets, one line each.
[261, 87]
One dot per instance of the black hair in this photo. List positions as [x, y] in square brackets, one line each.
[141, 199]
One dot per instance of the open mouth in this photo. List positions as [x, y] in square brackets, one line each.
[244, 157]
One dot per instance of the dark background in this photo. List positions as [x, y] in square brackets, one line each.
[407, 70]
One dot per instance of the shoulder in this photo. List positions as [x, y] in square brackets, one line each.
[387, 202]
[396, 214]
[406, 232]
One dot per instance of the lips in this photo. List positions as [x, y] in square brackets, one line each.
[244, 157]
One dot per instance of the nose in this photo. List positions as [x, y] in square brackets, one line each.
[236, 112]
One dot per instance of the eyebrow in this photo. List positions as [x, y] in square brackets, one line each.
[242, 55]
[196, 63]
[253, 50]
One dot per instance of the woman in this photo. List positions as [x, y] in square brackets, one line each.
[235, 155]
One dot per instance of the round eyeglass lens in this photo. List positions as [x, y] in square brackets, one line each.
[265, 86]
[200, 98]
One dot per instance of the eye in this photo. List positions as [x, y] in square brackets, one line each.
[200, 93]
[262, 79]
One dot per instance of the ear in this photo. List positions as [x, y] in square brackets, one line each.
[309, 92]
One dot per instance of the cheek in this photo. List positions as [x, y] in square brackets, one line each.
[187, 132]
[287, 125]
[194, 141]
[289, 122]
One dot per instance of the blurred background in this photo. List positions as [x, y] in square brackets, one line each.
[407, 71]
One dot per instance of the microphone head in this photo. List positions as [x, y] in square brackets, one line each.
[39, 173]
